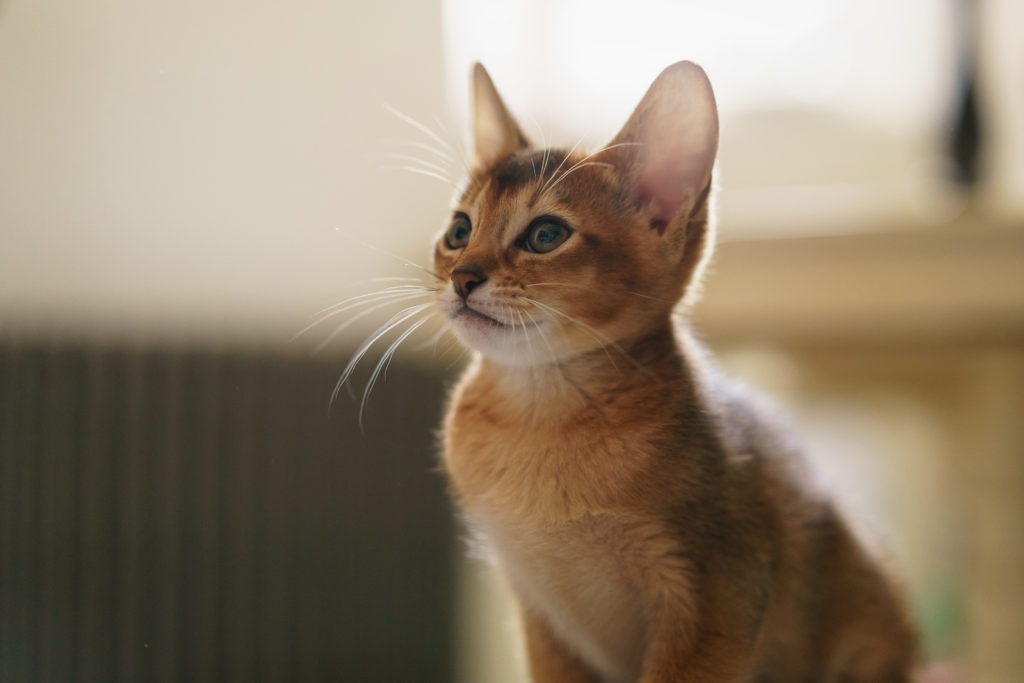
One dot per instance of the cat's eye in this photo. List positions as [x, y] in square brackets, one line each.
[458, 232]
[544, 235]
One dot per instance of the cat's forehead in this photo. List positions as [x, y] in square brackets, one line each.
[556, 182]
[528, 169]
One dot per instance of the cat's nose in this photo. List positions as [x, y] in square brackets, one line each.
[466, 280]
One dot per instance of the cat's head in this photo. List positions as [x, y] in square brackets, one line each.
[551, 253]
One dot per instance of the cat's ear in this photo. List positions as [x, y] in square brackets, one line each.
[495, 133]
[668, 145]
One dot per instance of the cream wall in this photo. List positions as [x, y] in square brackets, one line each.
[207, 168]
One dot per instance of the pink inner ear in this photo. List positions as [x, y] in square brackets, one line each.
[666, 184]
[675, 133]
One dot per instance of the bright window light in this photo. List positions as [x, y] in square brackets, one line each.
[841, 106]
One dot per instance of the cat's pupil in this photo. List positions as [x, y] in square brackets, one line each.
[545, 236]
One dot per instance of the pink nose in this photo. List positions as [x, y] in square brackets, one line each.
[466, 280]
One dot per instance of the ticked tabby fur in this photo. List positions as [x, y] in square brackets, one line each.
[654, 522]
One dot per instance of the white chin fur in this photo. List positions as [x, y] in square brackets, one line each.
[514, 344]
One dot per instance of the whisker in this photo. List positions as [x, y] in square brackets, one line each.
[565, 375]
[526, 336]
[433, 340]
[444, 156]
[543, 189]
[458, 143]
[383, 364]
[355, 302]
[592, 333]
[575, 167]
[396, 289]
[427, 165]
[536, 126]
[543, 338]
[423, 171]
[582, 163]
[418, 126]
[391, 324]
[547, 151]
[403, 260]
[579, 286]
[453, 343]
[340, 328]
[463, 352]
[603, 149]
[529, 346]
[390, 278]
[603, 340]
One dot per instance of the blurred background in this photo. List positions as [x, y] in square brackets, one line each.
[185, 187]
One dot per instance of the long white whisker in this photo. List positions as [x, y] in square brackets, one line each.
[422, 171]
[603, 340]
[547, 151]
[390, 278]
[579, 286]
[529, 346]
[444, 156]
[599, 151]
[434, 338]
[543, 338]
[453, 343]
[383, 364]
[403, 260]
[458, 144]
[536, 126]
[395, 320]
[340, 328]
[388, 299]
[354, 302]
[418, 126]
[349, 304]
[395, 289]
[575, 167]
[565, 376]
[463, 351]
[427, 165]
[554, 173]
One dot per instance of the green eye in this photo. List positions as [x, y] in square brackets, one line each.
[545, 235]
[457, 236]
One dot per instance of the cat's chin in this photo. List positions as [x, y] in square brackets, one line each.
[500, 343]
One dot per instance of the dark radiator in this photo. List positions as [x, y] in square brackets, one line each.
[183, 515]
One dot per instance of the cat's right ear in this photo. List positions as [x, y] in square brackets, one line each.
[495, 133]
[667, 148]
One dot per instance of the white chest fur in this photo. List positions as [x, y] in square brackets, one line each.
[581, 577]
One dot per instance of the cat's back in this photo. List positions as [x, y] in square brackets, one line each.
[834, 607]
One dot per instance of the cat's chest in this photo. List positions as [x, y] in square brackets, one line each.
[582, 577]
[543, 470]
[556, 503]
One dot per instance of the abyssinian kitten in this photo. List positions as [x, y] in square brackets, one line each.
[653, 521]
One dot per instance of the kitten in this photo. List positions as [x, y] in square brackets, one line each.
[654, 522]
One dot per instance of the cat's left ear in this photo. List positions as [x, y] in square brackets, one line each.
[495, 133]
[668, 145]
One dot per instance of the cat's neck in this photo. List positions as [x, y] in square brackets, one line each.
[656, 365]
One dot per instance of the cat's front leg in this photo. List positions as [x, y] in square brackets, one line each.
[549, 659]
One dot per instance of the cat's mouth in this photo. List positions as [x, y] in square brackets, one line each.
[471, 314]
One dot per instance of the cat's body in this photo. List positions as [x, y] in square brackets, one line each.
[653, 521]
